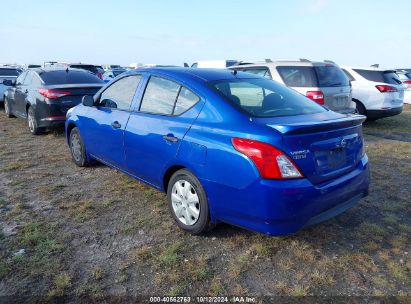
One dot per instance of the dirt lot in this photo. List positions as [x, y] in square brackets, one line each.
[69, 231]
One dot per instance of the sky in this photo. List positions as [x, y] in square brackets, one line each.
[349, 32]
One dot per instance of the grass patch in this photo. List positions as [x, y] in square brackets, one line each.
[19, 165]
[61, 282]
[239, 264]
[97, 273]
[398, 271]
[170, 255]
[80, 211]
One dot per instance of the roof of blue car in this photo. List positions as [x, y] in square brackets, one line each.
[203, 74]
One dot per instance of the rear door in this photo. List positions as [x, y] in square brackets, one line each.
[106, 121]
[156, 129]
[11, 95]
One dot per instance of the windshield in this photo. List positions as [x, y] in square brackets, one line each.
[331, 76]
[265, 98]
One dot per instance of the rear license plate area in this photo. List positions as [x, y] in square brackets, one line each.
[336, 158]
[340, 101]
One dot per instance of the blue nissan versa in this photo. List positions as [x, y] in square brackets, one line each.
[225, 146]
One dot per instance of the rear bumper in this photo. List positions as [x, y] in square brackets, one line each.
[52, 122]
[376, 114]
[284, 207]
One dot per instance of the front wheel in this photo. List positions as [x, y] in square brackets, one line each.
[7, 108]
[77, 148]
[187, 202]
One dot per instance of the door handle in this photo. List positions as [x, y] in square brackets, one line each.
[116, 125]
[171, 138]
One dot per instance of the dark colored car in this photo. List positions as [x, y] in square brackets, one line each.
[43, 96]
[225, 146]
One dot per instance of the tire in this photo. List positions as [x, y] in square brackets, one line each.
[187, 202]
[32, 122]
[77, 148]
[360, 108]
[7, 108]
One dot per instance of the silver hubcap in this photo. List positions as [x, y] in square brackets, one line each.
[75, 147]
[185, 201]
[30, 119]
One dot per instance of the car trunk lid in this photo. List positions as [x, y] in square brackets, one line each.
[324, 145]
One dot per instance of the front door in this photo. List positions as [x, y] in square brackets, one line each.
[107, 120]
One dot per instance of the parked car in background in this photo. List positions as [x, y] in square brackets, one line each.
[213, 64]
[377, 93]
[44, 95]
[225, 147]
[323, 82]
[31, 66]
[111, 74]
[7, 76]
[107, 67]
[405, 77]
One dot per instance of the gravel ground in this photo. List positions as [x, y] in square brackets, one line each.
[95, 233]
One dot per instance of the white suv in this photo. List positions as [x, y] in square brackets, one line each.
[323, 82]
[377, 93]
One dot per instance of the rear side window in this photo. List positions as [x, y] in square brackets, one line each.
[263, 72]
[9, 72]
[379, 76]
[298, 76]
[120, 94]
[68, 77]
[165, 97]
[186, 99]
[331, 76]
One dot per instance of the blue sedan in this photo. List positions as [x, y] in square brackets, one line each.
[225, 146]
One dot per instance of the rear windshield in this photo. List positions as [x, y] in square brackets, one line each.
[265, 98]
[90, 68]
[319, 76]
[64, 77]
[379, 76]
[9, 72]
[118, 72]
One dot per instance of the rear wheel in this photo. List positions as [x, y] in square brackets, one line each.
[7, 108]
[77, 148]
[360, 108]
[32, 122]
[188, 203]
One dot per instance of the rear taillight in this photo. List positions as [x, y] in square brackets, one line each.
[386, 88]
[53, 94]
[406, 82]
[270, 162]
[100, 75]
[317, 96]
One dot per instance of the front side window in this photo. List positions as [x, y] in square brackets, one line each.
[20, 79]
[266, 98]
[120, 94]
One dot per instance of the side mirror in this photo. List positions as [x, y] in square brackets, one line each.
[186, 65]
[8, 82]
[111, 76]
[87, 101]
